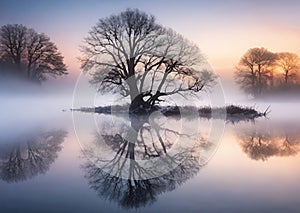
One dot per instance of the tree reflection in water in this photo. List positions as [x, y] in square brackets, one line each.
[125, 178]
[263, 143]
[29, 157]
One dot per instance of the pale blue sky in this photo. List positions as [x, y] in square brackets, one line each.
[224, 30]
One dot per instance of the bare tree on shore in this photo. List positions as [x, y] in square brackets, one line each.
[29, 54]
[131, 54]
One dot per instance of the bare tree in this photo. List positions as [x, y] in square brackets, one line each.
[13, 43]
[131, 54]
[29, 157]
[261, 144]
[255, 70]
[124, 179]
[32, 54]
[289, 65]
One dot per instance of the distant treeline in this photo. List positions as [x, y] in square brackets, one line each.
[261, 72]
[24, 53]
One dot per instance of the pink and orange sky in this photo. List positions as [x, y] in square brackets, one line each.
[223, 30]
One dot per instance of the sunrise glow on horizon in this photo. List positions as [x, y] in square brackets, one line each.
[224, 31]
[149, 106]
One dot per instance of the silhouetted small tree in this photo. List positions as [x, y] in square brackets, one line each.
[27, 53]
[261, 72]
[289, 65]
[255, 70]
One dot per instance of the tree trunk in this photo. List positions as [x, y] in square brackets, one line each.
[131, 146]
[253, 77]
[259, 80]
[134, 92]
[28, 71]
[286, 77]
[139, 106]
[18, 63]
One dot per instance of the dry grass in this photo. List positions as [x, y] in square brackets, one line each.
[231, 113]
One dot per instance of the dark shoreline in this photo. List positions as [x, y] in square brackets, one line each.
[231, 113]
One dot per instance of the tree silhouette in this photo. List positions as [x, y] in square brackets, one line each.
[261, 72]
[27, 53]
[255, 70]
[131, 54]
[261, 144]
[29, 157]
[124, 179]
[289, 65]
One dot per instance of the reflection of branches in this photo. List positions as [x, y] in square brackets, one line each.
[28, 158]
[124, 178]
[135, 193]
[260, 145]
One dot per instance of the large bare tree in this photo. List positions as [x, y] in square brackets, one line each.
[255, 70]
[131, 54]
[30, 53]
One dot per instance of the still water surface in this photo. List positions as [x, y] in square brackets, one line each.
[44, 168]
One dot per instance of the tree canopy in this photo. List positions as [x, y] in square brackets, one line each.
[29, 54]
[130, 53]
[260, 71]
[289, 65]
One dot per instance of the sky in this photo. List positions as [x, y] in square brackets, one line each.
[224, 30]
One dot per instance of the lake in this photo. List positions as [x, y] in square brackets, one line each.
[176, 164]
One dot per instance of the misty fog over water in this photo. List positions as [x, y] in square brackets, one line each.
[149, 106]
[23, 101]
[37, 119]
